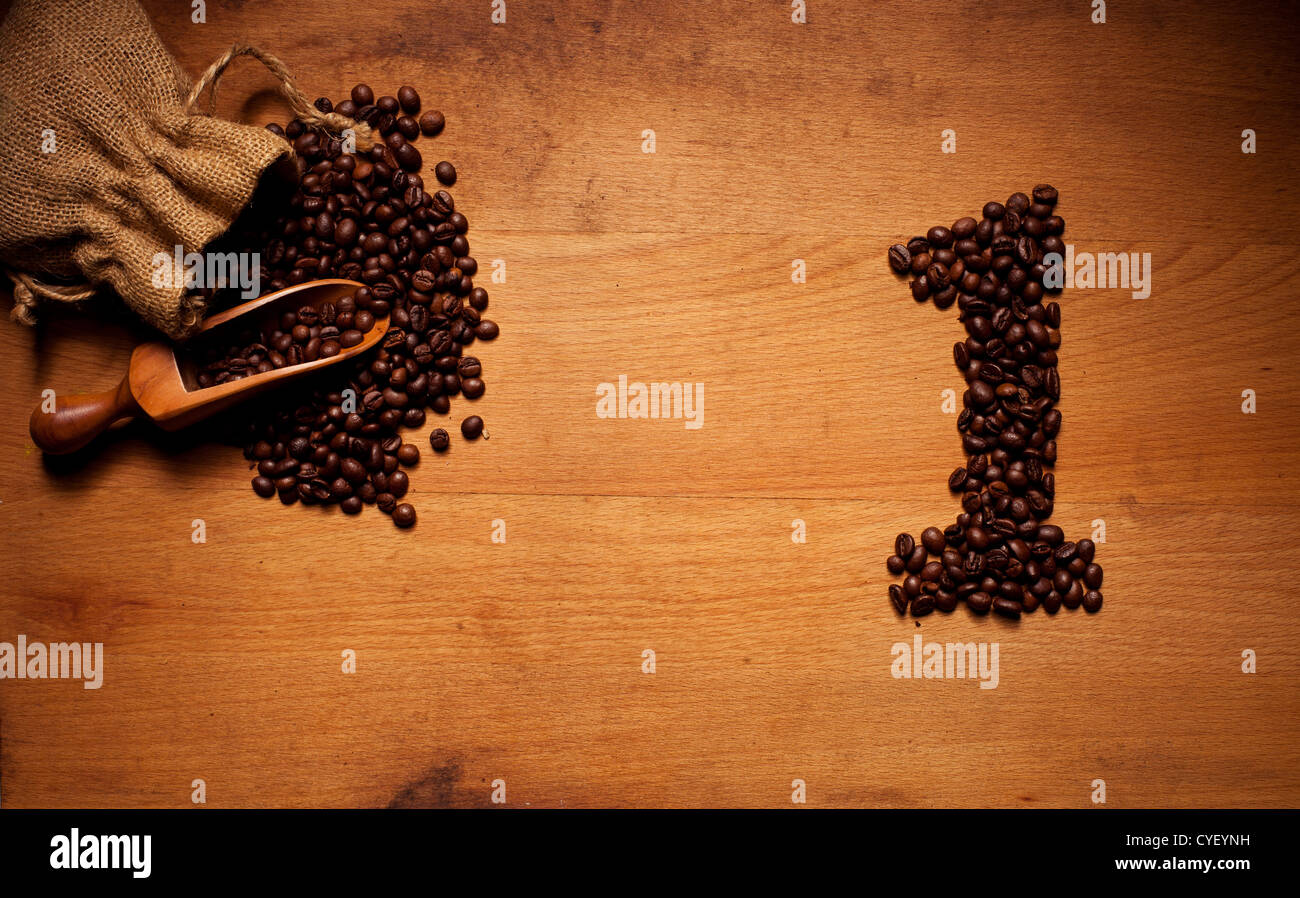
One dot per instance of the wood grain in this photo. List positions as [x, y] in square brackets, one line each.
[775, 141]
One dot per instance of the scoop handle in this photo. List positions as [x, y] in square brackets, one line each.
[76, 420]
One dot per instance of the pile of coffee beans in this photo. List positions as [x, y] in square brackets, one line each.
[366, 217]
[1001, 553]
[303, 336]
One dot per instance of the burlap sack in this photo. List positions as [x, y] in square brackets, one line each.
[104, 161]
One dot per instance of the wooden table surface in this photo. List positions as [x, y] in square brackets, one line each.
[775, 141]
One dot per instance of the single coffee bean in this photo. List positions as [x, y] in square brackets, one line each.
[362, 95]
[900, 259]
[1074, 596]
[398, 483]
[903, 545]
[431, 123]
[408, 99]
[894, 564]
[445, 172]
[1092, 601]
[1062, 581]
[439, 440]
[1051, 534]
[1006, 607]
[937, 277]
[898, 598]
[352, 470]
[932, 539]
[404, 515]
[1092, 576]
[939, 236]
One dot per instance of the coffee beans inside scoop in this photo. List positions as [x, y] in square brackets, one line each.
[335, 439]
[299, 337]
[1000, 554]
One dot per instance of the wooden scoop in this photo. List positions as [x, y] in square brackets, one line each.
[162, 380]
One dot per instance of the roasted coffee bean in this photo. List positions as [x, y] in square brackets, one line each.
[1006, 607]
[916, 560]
[403, 515]
[431, 123]
[352, 470]
[900, 259]
[1092, 576]
[1073, 597]
[408, 99]
[1045, 194]
[937, 278]
[939, 236]
[894, 564]
[398, 483]
[903, 545]
[932, 539]
[408, 454]
[898, 598]
[445, 172]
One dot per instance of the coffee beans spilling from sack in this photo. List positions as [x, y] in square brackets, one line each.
[372, 218]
